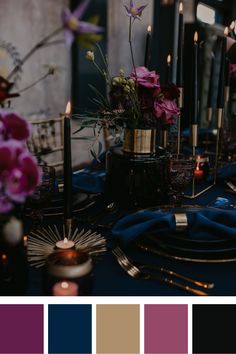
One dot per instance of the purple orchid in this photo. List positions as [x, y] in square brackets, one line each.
[5, 204]
[19, 174]
[135, 12]
[72, 23]
[12, 126]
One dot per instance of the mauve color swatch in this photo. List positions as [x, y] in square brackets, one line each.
[214, 329]
[21, 329]
[166, 329]
[70, 329]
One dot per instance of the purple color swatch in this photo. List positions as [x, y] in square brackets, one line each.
[21, 329]
[166, 329]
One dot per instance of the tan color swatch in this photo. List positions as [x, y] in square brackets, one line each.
[118, 329]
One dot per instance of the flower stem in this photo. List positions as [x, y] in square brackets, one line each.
[40, 44]
[131, 47]
[35, 82]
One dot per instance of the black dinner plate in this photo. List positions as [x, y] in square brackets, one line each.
[56, 205]
[178, 254]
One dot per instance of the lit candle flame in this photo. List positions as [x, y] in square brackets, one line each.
[226, 31]
[65, 240]
[68, 108]
[4, 257]
[149, 29]
[168, 59]
[232, 25]
[195, 38]
[25, 240]
[181, 7]
[64, 285]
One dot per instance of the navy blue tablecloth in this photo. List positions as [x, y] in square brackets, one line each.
[109, 279]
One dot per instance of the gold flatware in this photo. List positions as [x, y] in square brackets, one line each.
[135, 272]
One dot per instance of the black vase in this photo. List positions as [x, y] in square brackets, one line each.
[137, 180]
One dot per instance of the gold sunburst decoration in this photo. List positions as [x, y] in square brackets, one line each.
[45, 240]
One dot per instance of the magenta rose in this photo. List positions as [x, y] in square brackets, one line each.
[166, 109]
[12, 126]
[146, 78]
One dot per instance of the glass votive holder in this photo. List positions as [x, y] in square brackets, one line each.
[68, 273]
[202, 168]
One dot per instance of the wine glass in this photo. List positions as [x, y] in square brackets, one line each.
[181, 169]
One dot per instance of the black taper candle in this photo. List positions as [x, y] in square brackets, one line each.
[194, 101]
[147, 57]
[221, 83]
[67, 165]
[179, 81]
[211, 84]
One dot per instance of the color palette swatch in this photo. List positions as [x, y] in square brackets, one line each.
[214, 329]
[118, 329]
[70, 329]
[166, 329]
[21, 329]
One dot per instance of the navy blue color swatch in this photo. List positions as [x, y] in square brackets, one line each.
[70, 329]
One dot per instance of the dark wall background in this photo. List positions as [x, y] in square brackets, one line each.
[84, 72]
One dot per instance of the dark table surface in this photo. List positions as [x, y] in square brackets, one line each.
[109, 279]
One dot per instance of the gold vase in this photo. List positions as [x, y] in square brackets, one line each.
[139, 141]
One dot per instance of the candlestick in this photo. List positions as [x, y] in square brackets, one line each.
[179, 81]
[147, 57]
[211, 84]
[168, 72]
[67, 165]
[65, 244]
[65, 288]
[221, 84]
[194, 101]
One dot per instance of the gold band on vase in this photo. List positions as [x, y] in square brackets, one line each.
[139, 141]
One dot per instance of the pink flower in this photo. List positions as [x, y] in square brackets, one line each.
[135, 12]
[146, 78]
[166, 109]
[19, 173]
[73, 24]
[12, 126]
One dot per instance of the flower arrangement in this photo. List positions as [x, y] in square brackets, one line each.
[136, 100]
[19, 173]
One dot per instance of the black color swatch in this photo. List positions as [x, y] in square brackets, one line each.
[214, 329]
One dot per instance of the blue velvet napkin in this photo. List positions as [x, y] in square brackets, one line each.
[206, 224]
[89, 181]
[92, 178]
